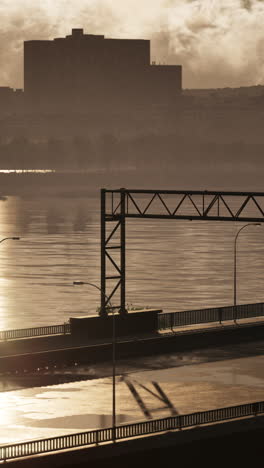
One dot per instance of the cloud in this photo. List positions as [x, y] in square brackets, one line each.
[219, 43]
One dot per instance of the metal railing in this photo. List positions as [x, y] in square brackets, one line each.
[63, 329]
[165, 320]
[71, 441]
[216, 314]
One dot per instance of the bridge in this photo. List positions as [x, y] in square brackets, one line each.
[116, 207]
[27, 451]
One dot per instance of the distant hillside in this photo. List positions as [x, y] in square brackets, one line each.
[243, 92]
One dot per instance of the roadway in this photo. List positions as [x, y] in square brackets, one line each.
[192, 381]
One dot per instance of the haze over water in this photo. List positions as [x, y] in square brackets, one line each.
[172, 265]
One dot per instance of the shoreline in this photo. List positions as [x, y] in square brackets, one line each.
[84, 183]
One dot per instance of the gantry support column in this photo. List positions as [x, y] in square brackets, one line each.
[123, 251]
[103, 253]
[116, 221]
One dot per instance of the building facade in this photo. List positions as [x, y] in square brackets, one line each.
[91, 71]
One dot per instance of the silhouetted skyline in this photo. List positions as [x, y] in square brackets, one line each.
[219, 44]
[86, 71]
[96, 104]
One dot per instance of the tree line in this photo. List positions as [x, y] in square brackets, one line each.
[109, 152]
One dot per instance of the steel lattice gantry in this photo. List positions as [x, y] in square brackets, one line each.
[117, 205]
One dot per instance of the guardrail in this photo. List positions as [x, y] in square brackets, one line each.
[63, 329]
[216, 314]
[71, 441]
[165, 320]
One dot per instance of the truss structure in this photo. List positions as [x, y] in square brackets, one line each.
[117, 205]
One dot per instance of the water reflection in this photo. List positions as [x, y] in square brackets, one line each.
[26, 171]
[81, 220]
[54, 220]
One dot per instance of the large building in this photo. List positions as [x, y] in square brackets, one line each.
[11, 100]
[90, 71]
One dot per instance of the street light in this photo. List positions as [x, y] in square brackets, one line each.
[80, 283]
[9, 238]
[235, 264]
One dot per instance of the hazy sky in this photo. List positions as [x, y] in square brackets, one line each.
[219, 42]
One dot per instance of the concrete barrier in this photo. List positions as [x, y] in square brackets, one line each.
[132, 323]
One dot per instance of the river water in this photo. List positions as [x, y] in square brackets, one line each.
[172, 265]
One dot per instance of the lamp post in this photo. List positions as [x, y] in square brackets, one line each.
[235, 264]
[9, 238]
[80, 283]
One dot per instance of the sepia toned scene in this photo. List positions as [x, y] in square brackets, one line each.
[132, 233]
